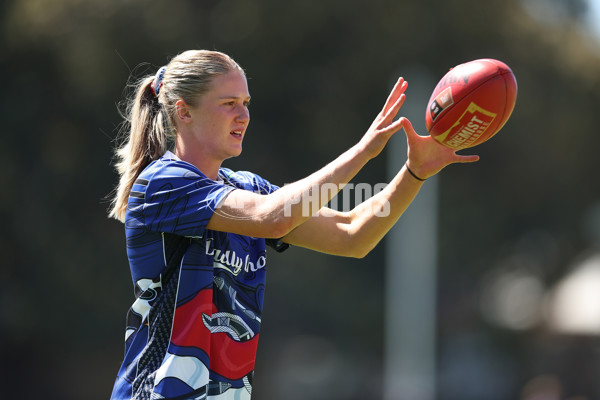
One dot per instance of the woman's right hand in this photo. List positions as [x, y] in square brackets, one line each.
[384, 126]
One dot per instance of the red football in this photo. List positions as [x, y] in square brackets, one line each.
[471, 103]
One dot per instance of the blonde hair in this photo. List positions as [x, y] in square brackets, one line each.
[149, 119]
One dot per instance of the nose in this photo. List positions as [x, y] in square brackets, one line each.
[243, 114]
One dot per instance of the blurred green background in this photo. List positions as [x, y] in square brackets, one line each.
[519, 231]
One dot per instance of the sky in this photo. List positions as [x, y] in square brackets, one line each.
[553, 12]
[594, 17]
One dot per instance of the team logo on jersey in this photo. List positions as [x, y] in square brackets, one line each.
[230, 261]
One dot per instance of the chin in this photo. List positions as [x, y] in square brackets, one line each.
[234, 154]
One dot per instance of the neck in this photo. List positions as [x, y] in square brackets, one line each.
[208, 166]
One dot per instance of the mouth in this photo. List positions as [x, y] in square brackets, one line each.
[237, 133]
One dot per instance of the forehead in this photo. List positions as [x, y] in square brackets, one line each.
[231, 84]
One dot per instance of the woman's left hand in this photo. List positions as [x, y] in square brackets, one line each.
[426, 156]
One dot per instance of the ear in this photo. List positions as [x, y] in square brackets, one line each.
[183, 111]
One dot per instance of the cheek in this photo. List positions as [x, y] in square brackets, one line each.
[213, 120]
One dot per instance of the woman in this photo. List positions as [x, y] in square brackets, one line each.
[196, 232]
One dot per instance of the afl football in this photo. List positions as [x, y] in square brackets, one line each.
[471, 103]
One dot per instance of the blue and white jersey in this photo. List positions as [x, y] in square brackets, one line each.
[193, 329]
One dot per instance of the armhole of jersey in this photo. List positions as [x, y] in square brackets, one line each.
[277, 245]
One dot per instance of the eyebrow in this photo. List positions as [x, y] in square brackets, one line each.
[234, 97]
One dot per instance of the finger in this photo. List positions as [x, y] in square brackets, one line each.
[398, 89]
[393, 111]
[393, 127]
[393, 93]
[408, 128]
[466, 159]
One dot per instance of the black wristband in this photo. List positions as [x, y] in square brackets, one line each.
[413, 174]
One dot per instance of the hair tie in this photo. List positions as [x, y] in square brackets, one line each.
[157, 83]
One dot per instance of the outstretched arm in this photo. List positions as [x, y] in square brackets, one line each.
[357, 232]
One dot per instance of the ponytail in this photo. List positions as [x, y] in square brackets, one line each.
[147, 141]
